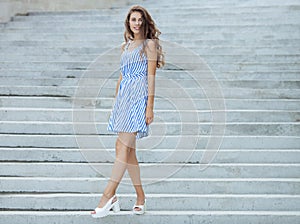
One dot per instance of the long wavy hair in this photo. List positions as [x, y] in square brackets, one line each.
[149, 31]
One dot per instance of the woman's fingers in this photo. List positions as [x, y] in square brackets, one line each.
[149, 120]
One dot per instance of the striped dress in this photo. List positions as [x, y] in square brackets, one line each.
[128, 114]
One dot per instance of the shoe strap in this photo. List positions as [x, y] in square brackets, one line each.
[139, 206]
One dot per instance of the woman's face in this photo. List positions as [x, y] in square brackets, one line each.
[135, 22]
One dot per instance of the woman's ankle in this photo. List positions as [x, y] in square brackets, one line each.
[141, 197]
[108, 195]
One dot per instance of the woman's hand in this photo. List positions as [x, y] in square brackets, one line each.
[149, 115]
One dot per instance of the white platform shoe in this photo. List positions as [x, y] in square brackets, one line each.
[142, 209]
[104, 211]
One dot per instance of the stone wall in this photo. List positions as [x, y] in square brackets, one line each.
[9, 8]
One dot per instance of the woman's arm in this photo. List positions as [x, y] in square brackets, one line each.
[118, 85]
[152, 60]
[120, 77]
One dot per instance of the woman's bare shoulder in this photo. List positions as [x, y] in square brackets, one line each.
[123, 46]
[151, 44]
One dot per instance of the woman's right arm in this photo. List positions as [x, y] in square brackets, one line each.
[120, 78]
[118, 85]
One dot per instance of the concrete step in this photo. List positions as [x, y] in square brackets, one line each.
[196, 8]
[165, 142]
[116, 25]
[158, 202]
[208, 16]
[46, 116]
[169, 129]
[200, 50]
[158, 186]
[50, 51]
[47, 42]
[74, 155]
[188, 11]
[229, 36]
[242, 66]
[226, 170]
[210, 59]
[229, 4]
[213, 4]
[245, 107]
[161, 82]
[192, 93]
[163, 77]
[200, 28]
[248, 19]
[169, 74]
[180, 13]
[217, 217]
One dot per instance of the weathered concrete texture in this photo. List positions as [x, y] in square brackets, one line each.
[232, 77]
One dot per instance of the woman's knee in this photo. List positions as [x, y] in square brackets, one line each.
[122, 151]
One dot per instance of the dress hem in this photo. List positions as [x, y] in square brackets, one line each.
[139, 134]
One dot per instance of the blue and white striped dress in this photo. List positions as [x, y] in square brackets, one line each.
[128, 114]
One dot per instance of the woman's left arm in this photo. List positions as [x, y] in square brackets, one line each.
[152, 60]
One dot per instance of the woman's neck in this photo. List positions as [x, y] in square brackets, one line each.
[137, 37]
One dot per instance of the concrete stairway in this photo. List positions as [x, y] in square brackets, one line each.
[253, 49]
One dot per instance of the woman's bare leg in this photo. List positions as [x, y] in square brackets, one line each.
[134, 173]
[123, 146]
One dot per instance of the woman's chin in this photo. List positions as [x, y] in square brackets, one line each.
[135, 31]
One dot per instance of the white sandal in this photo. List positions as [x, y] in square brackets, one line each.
[141, 207]
[104, 211]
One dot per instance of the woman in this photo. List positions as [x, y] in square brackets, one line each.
[133, 109]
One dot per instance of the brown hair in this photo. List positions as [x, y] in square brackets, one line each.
[149, 31]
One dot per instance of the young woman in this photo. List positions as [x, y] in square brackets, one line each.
[133, 109]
